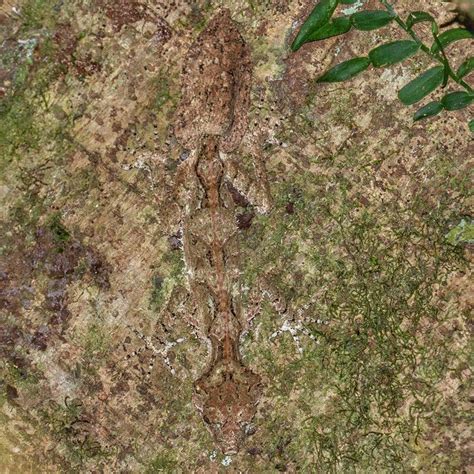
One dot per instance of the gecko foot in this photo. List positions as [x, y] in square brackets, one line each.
[160, 349]
[295, 328]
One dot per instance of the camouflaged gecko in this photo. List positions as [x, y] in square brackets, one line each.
[210, 122]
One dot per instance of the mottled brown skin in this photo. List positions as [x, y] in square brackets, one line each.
[215, 86]
[212, 119]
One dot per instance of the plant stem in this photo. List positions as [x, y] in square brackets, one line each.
[439, 57]
[447, 67]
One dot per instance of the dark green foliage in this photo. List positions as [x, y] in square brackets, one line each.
[371, 19]
[429, 110]
[320, 15]
[423, 85]
[457, 100]
[418, 17]
[449, 37]
[335, 27]
[465, 68]
[345, 70]
[320, 26]
[392, 53]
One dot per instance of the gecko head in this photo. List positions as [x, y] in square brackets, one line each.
[227, 397]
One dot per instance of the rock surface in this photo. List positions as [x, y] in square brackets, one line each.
[359, 304]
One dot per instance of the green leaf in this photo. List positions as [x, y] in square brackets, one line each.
[345, 70]
[465, 68]
[392, 53]
[449, 36]
[471, 125]
[337, 26]
[418, 17]
[320, 15]
[348, 2]
[457, 100]
[371, 19]
[433, 108]
[420, 87]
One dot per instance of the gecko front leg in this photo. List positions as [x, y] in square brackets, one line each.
[248, 177]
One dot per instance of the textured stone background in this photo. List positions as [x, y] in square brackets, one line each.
[355, 241]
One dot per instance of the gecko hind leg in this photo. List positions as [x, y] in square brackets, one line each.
[162, 351]
[292, 323]
[294, 328]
